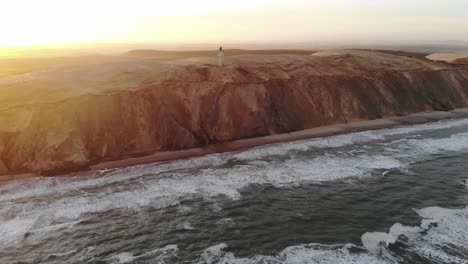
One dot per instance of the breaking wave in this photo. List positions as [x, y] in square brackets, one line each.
[442, 238]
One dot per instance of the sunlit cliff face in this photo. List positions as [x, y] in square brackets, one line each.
[31, 22]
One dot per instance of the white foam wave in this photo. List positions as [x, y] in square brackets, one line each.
[185, 226]
[430, 242]
[306, 254]
[53, 185]
[446, 243]
[35, 204]
[45, 186]
[373, 241]
[157, 255]
[346, 139]
[124, 257]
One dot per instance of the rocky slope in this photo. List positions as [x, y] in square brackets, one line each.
[69, 118]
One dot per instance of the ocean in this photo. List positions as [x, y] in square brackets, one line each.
[396, 195]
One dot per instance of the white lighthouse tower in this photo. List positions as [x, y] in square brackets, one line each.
[220, 57]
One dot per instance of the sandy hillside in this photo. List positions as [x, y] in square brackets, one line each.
[447, 57]
[74, 116]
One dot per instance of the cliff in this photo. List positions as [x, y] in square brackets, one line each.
[75, 116]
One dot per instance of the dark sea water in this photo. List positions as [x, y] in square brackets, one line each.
[396, 195]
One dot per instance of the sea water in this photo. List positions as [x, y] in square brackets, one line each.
[396, 195]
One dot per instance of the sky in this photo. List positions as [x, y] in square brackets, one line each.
[55, 22]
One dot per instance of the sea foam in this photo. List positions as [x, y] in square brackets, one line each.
[30, 206]
[432, 242]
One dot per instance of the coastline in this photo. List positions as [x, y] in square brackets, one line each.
[245, 144]
[318, 132]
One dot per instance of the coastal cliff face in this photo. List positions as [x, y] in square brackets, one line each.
[69, 118]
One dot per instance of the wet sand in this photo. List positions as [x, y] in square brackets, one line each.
[244, 144]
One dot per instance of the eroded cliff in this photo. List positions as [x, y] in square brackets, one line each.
[69, 118]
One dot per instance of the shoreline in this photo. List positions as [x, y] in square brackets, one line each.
[245, 144]
[318, 132]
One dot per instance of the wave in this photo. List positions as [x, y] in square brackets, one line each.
[347, 139]
[157, 255]
[32, 206]
[46, 185]
[441, 238]
[310, 253]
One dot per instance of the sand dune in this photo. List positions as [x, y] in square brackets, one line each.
[447, 57]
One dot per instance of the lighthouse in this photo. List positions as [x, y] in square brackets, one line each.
[220, 57]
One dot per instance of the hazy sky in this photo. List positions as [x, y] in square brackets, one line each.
[31, 22]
